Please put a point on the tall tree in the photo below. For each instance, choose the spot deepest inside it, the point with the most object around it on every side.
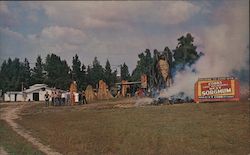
(11, 75)
(98, 71)
(57, 72)
(76, 71)
(185, 52)
(144, 65)
(125, 72)
(5, 75)
(3, 72)
(15, 74)
(89, 75)
(108, 74)
(37, 74)
(95, 73)
(25, 74)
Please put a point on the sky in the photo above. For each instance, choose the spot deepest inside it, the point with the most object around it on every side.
(119, 31)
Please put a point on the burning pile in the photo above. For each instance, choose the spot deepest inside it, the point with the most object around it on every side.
(174, 99)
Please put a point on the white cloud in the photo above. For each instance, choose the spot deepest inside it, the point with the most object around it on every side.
(14, 44)
(11, 34)
(7, 17)
(103, 29)
(3, 7)
(115, 14)
(58, 34)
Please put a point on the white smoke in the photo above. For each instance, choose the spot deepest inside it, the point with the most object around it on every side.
(143, 101)
(225, 48)
(184, 82)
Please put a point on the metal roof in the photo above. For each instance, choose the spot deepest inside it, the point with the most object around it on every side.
(36, 87)
(14, 92)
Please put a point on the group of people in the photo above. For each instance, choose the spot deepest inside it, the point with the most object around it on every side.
(57, 98)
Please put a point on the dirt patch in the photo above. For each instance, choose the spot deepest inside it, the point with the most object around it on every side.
(10, 114)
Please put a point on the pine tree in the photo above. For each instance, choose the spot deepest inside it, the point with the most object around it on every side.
(11, 75)
(26, 74)
(98, 71)
(37, 75)
(89, 77)
(185, 52)
(15, 80)
(125, 72)
(144, 65)
(5, 76)
(76, 71)
(57, 72)
(108, 74)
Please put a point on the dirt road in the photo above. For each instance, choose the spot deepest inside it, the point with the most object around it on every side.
(10, 114)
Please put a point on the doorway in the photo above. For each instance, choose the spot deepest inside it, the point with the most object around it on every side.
(35, 96)
(15, 97)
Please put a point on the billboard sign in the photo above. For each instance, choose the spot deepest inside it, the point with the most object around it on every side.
(216, 89)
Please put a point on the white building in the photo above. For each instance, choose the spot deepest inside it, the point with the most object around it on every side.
(34, 93)
(13, 96)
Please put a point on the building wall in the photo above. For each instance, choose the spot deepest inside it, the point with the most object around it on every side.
(19, 97)
(6, 97)
(29, 97)
(41, 95)
(11, 97)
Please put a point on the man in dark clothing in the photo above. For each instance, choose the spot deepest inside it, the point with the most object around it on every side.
(80, 99)
(84, 101)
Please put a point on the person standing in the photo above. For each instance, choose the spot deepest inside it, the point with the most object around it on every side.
(84, 101)
(80, 99)
(53, 98)
(63, 98)
(59, 95)
(68, 98)
(72, 98)
(46, 96)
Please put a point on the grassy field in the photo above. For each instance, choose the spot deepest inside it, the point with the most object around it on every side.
(13, 143)
(215, 128)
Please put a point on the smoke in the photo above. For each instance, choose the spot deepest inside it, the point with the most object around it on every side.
(225, 47)
(183, 82)
(226, 44)
(143, 101)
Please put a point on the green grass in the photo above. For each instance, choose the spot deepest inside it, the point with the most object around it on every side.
(15, 144)
(216, 128)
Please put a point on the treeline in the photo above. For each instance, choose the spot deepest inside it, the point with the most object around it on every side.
(55, 72)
